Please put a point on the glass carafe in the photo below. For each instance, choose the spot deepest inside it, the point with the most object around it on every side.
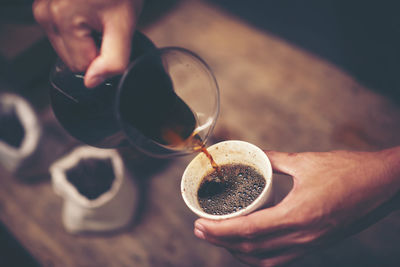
(166, 98)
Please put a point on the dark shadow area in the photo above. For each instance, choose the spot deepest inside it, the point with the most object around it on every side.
(12, 253)
(142, 169)
(360, 37)
(16, 11)
(28, 74)
(153, 10)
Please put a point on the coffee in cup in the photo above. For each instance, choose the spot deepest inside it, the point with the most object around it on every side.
(232, 188)
(241, 184)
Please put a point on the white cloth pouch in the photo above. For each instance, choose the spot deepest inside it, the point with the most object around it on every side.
(99, 194)
(20, 132)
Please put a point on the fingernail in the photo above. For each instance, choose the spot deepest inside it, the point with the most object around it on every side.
(199, 233)
(96, 80)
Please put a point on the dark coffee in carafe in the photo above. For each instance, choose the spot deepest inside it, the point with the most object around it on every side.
(141, 103)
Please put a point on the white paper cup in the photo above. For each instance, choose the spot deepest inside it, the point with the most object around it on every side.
(227, 152)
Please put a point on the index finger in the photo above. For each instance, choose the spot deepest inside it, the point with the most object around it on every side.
(115, 49)
(80, 49)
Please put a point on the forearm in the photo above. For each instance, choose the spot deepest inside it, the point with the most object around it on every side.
(390, 171)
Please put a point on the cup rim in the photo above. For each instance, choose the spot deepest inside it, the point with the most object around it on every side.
(260, 201)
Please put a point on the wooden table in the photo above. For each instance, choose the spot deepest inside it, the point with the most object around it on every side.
(274, 95)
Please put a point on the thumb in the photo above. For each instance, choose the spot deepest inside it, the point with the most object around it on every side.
(283, 162)
(114, 54)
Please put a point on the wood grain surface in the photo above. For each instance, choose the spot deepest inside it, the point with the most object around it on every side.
(274, 95)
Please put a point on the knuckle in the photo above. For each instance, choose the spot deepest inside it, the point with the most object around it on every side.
(246, 247)
(60, 11)
(306, 240)
(79, 31)
(58, 7)
(249, 230)
(78, 22)
(40, 12)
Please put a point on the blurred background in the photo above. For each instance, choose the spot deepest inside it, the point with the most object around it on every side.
(360, 37)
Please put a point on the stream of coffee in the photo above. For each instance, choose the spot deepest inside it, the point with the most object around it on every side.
(194, 141)
(168, 119)
(203, 149)
(199, 145)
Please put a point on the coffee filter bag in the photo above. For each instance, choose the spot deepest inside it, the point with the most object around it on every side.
(112, 210)
(14, 159)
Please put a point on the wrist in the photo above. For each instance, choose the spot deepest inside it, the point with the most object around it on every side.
(391, 160)
(391, 163)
